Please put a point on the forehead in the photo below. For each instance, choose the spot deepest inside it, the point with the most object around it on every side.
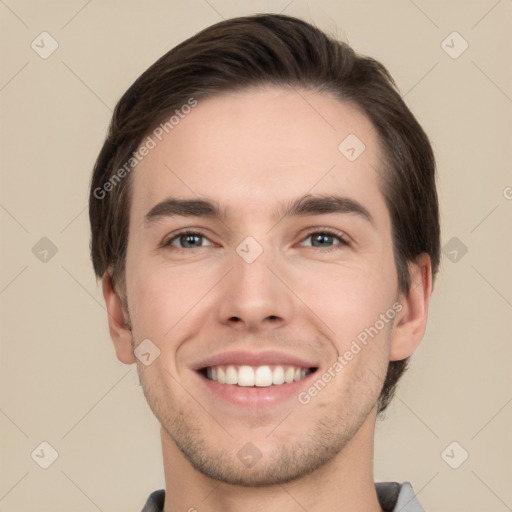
(248, 149)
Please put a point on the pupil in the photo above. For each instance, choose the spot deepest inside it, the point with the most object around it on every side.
(191, 240)
(321, 239)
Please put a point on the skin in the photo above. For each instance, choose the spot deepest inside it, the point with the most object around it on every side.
(252, 152)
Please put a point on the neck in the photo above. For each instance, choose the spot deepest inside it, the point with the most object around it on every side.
(345, 483)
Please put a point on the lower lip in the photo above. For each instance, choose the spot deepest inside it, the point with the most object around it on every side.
(256, 396)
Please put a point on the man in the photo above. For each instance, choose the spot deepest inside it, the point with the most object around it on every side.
(265, 223)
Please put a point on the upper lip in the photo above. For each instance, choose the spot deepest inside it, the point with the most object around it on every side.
(268, 357)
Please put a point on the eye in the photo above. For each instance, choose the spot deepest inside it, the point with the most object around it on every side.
(187, 240)
(325, 239)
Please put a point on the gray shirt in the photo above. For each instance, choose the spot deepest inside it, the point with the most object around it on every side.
(393, 497)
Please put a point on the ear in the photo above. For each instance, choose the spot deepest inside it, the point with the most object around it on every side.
(118, 324)
(411, 322)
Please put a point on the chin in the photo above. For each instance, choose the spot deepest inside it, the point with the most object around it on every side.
(250, 467)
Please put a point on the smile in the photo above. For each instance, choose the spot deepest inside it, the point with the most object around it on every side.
(256, 376)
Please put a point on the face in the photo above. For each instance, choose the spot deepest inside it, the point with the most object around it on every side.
(260, 253)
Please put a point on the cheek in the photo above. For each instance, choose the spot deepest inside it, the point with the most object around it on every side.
(349, 300)
(356, 305)
(161, 297)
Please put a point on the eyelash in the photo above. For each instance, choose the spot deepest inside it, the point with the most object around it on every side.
(341, 237)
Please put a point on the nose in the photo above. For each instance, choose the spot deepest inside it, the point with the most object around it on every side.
(255, 296)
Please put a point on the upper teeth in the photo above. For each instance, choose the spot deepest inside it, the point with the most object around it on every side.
(261, 376)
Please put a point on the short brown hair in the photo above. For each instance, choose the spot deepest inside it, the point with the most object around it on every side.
(270, 49)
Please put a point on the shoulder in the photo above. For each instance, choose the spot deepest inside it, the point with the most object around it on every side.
(394, 496)
(155, 502)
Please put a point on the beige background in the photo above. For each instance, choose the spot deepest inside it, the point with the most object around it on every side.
(60, 380)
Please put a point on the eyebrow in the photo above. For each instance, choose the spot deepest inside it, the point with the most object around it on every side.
(304, 206)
